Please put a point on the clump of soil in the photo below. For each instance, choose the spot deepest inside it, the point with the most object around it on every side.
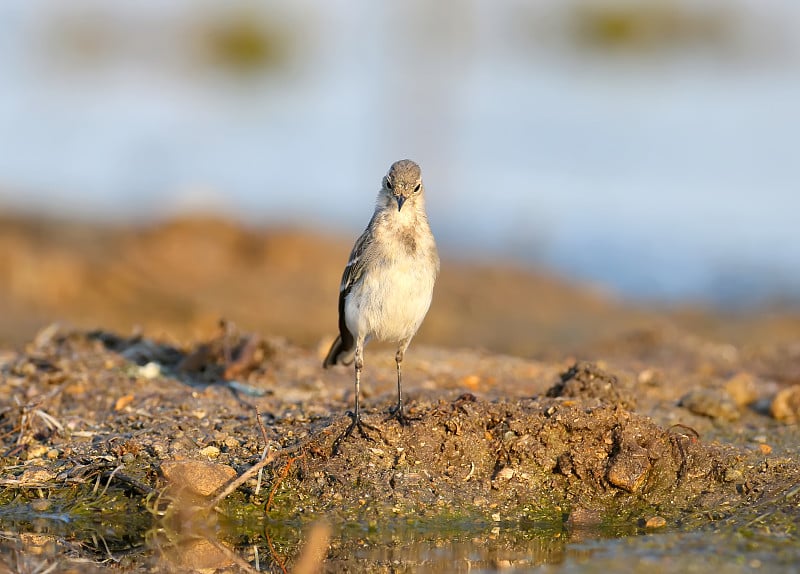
(586, 381)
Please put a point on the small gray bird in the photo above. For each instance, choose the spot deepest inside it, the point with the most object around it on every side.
(387, 285)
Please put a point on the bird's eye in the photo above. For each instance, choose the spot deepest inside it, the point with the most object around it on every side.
(388, 183)
(416, 188)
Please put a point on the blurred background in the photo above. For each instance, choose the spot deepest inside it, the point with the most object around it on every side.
(648, 149)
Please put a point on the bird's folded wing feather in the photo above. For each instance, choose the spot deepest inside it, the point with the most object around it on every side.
(355, 265)
(352, 273)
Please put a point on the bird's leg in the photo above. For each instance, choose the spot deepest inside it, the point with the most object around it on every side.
(355, 415)
(398, 411)
(359, 366)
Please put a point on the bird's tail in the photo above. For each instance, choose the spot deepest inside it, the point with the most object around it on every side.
(339, 354)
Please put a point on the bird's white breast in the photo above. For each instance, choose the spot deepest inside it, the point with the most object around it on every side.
(391, 300)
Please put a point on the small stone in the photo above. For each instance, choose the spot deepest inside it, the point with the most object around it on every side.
(764, 448)
(36, 475)
(581, 517)
(743, 388)
(40, 505)
(496, 517)
(732, 475)
(471, 381)
(210, 451)
(505, 473)
(655, 522)
(196, 476)
(37, 451)
(649, 377)
(128, 457)
(150, 371)
(52, 453)
(786, 405)
(629, 468)
(123, 402)
(714, 403)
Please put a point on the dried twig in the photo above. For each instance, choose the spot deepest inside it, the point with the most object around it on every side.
(133, 484)
(261, 426)
(237, 482)
(110, 478)
(266, 447)
(280, 479)
(277, 558)
(232, 556)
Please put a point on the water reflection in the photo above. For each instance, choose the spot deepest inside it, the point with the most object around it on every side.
(189, 542)
(305, 548)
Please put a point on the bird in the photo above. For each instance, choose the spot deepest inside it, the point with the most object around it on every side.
(387, 284)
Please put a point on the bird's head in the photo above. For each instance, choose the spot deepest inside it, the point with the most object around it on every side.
(402, 184)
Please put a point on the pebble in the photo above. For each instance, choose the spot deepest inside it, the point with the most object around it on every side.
(40, 505)
(210, 451)
(713, 403)
(583, 517)
(785, 406)
(732, 475)
(36, 475)
(37, 451)
(743, 388)
(628, 469)
(649, 377)
(655, 522)
(505, 473)
(150, 371)
(199, 477)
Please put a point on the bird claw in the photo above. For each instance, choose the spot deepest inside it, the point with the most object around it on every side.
(362, 427)
(398, 413)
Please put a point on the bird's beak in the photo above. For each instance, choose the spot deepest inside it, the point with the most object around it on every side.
(400, 201)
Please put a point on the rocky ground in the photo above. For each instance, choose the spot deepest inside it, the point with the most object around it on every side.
(544, 414)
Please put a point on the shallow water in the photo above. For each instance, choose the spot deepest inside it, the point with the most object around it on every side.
(38, 541)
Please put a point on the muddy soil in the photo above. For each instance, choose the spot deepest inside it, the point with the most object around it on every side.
(97, 426)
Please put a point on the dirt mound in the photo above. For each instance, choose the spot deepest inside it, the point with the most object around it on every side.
(586, 381)
(519, 457)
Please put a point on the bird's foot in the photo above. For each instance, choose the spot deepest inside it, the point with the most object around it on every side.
(355, 424)
(398, 413)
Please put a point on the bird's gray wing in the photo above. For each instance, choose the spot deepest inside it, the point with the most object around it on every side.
(352, 274)
(355, 265)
